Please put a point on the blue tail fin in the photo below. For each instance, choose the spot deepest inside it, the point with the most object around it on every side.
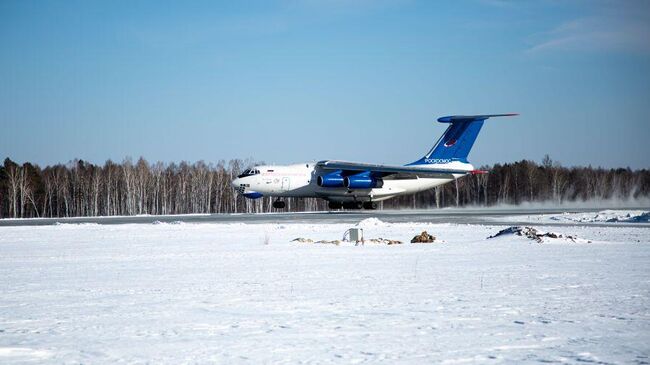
(458, 139)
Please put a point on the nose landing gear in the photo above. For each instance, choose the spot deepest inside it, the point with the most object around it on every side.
(279, 204)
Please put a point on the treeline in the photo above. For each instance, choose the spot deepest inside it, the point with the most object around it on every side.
(80, 188)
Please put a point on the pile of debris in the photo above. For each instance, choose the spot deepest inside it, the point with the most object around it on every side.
(423, 237)
(532, 233)
(335, 242)
(302, 240)
(308, 240)
(384, 241)
(379, 240)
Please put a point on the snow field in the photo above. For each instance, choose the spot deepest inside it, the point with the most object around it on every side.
(604, 216)
(187, 293)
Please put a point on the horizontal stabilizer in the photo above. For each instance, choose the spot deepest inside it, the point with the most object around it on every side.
(469, 118)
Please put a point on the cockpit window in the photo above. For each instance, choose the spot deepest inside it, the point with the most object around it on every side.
(249, 172)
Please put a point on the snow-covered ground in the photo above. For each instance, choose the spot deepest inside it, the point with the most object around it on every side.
(603, 216)
(242, 293)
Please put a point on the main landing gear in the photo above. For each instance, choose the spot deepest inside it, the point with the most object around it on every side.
(279, 204)
(353, 205)
(335, 205)
(346, 205)
(370, 205)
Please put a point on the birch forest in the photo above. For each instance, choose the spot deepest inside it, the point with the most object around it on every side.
(80, 188)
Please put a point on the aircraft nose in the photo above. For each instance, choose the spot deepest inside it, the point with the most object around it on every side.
(235, 183)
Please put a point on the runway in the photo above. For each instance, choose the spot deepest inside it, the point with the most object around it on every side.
(483, 216)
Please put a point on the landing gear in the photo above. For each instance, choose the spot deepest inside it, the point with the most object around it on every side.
(352, 205)
(370, 205)
(278, 204)
(335, 205)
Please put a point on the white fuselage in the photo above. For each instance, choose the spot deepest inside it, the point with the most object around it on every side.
(300, 180)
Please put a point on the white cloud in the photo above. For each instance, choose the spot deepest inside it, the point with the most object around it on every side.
(620, 26)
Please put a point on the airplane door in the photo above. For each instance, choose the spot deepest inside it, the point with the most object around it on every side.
(286, 182)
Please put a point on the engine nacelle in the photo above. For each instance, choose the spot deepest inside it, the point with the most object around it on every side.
(363, 180)
(331, 180)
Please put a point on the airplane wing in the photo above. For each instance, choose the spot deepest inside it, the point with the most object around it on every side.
(351, 168)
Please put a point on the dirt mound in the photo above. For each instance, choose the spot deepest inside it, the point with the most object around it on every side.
(423, 237)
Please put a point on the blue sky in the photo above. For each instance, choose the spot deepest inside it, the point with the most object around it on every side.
(290, 81)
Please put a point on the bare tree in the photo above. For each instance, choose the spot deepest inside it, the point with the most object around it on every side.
(12, 171)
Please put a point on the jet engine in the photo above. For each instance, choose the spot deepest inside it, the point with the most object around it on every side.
(331, 180)
(363, 180)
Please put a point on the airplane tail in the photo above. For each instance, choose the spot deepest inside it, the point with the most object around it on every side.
(458, 139)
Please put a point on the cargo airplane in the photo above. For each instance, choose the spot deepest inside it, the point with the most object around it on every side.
(352, 185)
